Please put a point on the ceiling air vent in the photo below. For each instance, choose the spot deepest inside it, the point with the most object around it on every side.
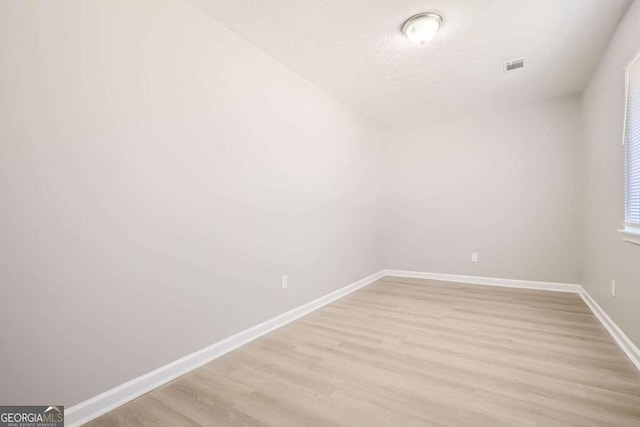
(516, 64)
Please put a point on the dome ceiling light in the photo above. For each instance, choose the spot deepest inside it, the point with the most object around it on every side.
(422, 27)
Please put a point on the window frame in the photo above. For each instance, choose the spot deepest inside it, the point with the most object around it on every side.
(630, 232)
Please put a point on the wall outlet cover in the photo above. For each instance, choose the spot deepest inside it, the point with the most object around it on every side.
(613, 288)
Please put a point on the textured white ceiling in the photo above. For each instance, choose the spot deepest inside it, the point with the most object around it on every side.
(354, 49)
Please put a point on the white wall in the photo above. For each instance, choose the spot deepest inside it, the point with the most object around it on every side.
(607, 257)
(504, 183)
(157, 176)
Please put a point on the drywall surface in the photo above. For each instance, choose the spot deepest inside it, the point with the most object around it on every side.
(503, 183)
(158, 175)
(607, 257)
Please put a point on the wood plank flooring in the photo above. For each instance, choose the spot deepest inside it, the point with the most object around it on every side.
(409, 352)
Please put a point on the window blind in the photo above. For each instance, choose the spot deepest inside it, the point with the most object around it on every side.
(632, 145)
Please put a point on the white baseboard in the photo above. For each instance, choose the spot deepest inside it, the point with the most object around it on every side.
(629, 348)
(111, 399)
(489, 281)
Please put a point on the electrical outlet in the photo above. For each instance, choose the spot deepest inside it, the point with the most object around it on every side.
(613, 288)
(285, 282)
(474, 257)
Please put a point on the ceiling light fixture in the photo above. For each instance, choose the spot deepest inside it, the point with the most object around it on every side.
(422, 27)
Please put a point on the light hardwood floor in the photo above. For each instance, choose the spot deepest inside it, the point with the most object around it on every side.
(409, 352)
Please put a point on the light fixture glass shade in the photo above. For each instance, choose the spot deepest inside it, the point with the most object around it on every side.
(422, 27)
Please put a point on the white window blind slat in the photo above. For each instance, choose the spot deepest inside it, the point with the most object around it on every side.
(632, 145)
